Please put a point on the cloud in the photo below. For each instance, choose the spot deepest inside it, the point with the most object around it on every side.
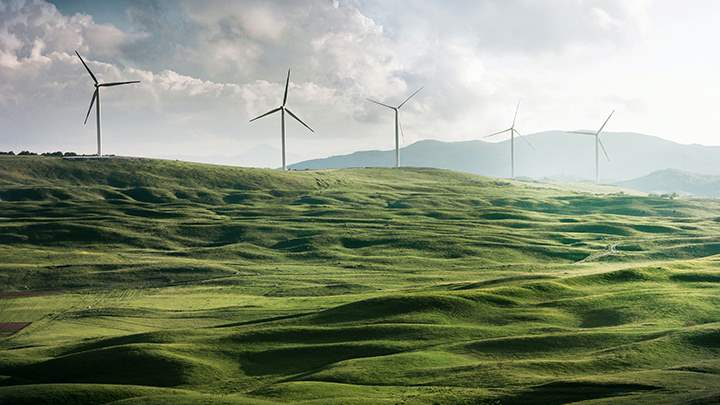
(31, 28)
(207, 67)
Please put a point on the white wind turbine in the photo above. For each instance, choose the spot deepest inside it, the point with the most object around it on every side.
(512, 132)
(398, 127)
(96, 95)
(598, 145)
(283, 110)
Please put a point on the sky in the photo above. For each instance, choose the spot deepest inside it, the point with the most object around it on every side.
(207, 67)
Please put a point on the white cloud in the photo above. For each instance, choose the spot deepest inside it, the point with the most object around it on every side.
(207, 67)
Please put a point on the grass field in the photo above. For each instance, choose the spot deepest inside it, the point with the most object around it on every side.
(139, 281)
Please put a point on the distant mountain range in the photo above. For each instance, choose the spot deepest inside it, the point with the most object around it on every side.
(676, 181)
(556, 155)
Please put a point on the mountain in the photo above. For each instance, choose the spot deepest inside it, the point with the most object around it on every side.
(676, 181)
(556, 154)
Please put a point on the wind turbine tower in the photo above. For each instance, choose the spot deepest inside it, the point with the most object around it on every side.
(398, 128)
(283, 110)
(598, 145)
(512, 132)
(96, 96)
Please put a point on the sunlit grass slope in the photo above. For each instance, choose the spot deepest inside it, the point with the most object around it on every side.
(166, 282)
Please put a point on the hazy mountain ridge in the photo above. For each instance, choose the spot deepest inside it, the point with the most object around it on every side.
(676, 181)
(556, 154)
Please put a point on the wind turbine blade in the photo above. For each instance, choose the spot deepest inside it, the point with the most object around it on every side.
(605, 123)
(86, 67)
(402, 133)
(516, 112)
(117, 83)
(498, 133)
(287, 84)
(580, 132)
(267, 113)
(524, 138)
(603, 149)
(409, 97)
(92, 101)
(299, 120)
(379, 103)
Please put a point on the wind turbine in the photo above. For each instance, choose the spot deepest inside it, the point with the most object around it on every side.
(283, 110)
(598, 144)
(96, 95)
(513, 132)
(398, 127)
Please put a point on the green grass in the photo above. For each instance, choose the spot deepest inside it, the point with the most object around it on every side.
(170, 283)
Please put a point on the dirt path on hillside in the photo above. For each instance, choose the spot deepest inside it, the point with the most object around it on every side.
(611, 250)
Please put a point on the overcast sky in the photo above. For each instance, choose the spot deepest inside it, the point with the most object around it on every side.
(208, 66)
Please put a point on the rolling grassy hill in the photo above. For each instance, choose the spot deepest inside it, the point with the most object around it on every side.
(140, 281)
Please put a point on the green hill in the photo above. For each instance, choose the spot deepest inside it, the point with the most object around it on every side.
(141, 281)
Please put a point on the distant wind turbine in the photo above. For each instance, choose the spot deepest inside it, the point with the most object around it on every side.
(598, 144)
(398, 126)
(96, 95)
(512, 132)
(283, 110)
